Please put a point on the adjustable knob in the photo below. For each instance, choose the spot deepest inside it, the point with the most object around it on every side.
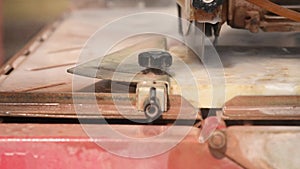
(207, 5)
(155, 59)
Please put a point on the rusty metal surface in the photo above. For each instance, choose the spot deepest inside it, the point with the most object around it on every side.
(62, 105)
(192, 14)
(277, 9)
(264, 147)
(262, 108)
(251, 15)
(32, 146)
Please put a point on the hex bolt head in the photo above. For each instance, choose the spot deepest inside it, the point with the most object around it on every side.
(155, 59)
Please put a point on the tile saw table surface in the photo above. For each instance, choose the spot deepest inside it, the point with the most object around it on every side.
(254, 64)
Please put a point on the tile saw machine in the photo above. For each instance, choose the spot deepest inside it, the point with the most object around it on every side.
(247, 131)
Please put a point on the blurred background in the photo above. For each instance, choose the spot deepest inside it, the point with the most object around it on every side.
(20, 20)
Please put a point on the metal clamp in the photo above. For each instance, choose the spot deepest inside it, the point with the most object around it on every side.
(153, 88)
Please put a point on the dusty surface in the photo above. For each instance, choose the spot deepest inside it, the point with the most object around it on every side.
(258, 64)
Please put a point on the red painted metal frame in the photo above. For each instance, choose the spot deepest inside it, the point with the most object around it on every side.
(55, 146)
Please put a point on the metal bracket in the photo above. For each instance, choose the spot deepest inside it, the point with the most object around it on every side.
(152, 93)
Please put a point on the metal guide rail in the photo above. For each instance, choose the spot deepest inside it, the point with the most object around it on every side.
(262, 108)
(63, 105)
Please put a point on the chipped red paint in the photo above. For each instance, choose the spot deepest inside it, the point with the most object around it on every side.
(55, 146)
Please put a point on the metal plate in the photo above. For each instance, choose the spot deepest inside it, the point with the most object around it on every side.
(262, 108)
(105, 67)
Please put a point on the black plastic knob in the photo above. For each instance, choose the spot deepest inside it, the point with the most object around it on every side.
(155, 59)
(207, 5)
